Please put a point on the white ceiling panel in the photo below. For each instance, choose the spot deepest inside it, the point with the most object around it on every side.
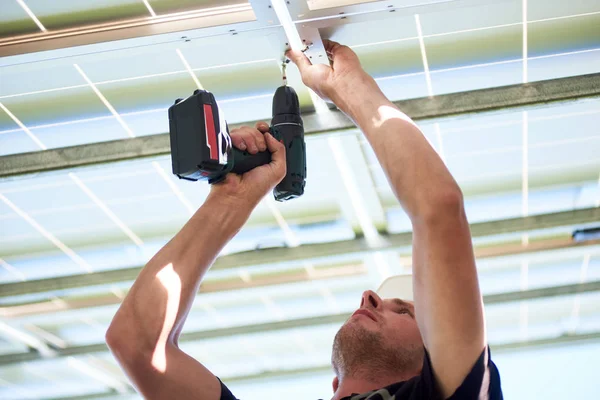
(543, 9)
(471, 17)
(561, 66)
(452, 80)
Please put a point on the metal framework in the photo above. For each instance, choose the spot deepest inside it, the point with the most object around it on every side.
(301, 323)
(448, 105)
(313, 252)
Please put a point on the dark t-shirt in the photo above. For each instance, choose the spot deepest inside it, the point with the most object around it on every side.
(482, 383)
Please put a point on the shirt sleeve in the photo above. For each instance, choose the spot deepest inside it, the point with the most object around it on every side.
(482, 382)
(225, 392)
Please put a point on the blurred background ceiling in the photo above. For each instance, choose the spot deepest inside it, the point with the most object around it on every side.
(73, 240)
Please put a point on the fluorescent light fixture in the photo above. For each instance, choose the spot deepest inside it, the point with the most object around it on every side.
(382, 265)
(525, 166)
(290, 237)
(169, 181)
(47, 336)
(98, 374)
(356, 46)
(440, 141)
(65, 249)
(31, 15)
(189, 69)
(26, 338)
(22, 126)
(149, 7)
(103, 99)
(525, 73)
(13, 270)
(283, 14)
(365, 221)
(424, 55)
(106, 210)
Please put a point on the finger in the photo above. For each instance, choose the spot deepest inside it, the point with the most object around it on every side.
(277, 150)
(259, 139)
(237, 140)
(262, 126)
(300, 59)
(247, 135)
(331, 46)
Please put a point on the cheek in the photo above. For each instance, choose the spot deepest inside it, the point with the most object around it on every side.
(405, 329)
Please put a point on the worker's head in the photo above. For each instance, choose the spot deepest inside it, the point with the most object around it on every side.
(380, 338)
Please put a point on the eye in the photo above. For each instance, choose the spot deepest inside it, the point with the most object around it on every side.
(403, 311)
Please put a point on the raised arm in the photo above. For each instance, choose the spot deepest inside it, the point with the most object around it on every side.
(447, 298)
(143, 334)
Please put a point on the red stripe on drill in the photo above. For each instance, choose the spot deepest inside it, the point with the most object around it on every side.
(211, 134)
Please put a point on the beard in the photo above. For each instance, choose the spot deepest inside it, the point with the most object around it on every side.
(362, 353)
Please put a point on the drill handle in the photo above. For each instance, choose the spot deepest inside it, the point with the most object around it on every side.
(244, 161)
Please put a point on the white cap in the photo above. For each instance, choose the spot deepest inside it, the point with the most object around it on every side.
(397, 286)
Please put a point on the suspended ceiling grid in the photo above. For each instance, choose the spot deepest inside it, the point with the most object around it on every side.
(468, 45)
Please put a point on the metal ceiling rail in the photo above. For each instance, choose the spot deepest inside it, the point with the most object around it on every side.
(326, 368)
(316, 252)
(127, 29)
(447, 105)
(499, 348)
(303, 322)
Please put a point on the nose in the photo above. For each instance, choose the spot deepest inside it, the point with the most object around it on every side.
(370, 299)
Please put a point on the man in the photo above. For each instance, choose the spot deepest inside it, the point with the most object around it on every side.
(389, 349)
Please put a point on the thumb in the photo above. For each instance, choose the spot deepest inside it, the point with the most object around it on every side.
(277, 150)
(300, 59)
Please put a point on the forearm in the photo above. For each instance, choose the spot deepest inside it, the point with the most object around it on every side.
(159, 300)
(416, 173)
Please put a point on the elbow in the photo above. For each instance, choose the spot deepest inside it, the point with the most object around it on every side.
(444, 205)
(117, 337)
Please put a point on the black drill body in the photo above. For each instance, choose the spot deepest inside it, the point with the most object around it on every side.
(201, 148)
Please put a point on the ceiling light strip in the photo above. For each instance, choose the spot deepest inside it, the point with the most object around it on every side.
(568, 53)
(65, 249)
(366, 223)
(98, 374)
(577, 301)
(525, 166)
(31, 15)
(42, 91)
(47, 336)
(525, 67)
(440, 141)
(424, 56)
(24, 128)
(26, 338)
(357, 46)
(565, 17)
(11, 269)
(290, 237)
(149, 7)
(106, 210)
(132, 23)
(189, 69)
(186, 203)
(103, 99)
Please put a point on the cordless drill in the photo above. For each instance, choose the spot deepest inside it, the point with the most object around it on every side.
(201, 147)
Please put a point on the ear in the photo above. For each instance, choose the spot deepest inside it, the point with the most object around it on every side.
(335, 384)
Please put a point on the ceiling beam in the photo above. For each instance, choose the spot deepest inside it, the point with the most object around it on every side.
(563, 290)
(453, 104)
(316, 252)
(139, 29)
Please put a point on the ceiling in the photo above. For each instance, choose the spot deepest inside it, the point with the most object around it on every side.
(72, 241)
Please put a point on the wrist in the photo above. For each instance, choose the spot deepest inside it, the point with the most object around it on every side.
(352, 92)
